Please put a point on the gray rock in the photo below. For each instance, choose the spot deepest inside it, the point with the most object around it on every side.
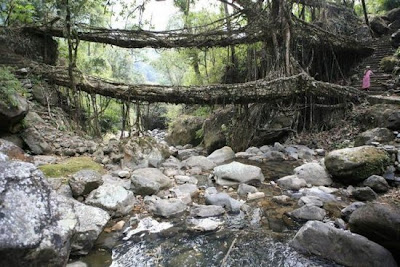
(84, 182)
(354, 165)
(340, 246)
(243, 155)
(236, 173)
(187, 153)
(116, 200)
(91, 222)
(3, 157)
(394, 121)
(318, 192)
(36, 224)
(221, 155)
(282, 199)
(77, 264)
(364, 194)
(378, 25)
(200, 161)
(346, 212)
(35, 141)
(125, 183)
(204, 225)
(339, 223)
(190, 189)
(123, 174)
(149, 181)
(43, 160)
(377, 183)
(381, 135)
(308, 213)
(206, 211)
(183, 179)
(380, 223)
(253, 151)
(291, 182)
(313, 173)
(223, 200)
(274, 156)
(311, 201)
(13, 109)
(169, 207)
(244, 189)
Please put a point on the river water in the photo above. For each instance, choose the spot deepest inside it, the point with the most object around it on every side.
(241, 242)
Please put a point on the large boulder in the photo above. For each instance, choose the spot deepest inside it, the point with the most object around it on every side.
(91, 222)
(313, 173)
(84, 182)
(221, 155)
(215, 129)
(35, 141)
(379, 223)
(354, 165)
(200, 161)
(393, 14)
(142, 152)
(381, 135)
(13, 108)
(115, 199)
(185, 131)
(36, 224)
(236, 173)
(379, 25)
(340, 246)
(149, 181)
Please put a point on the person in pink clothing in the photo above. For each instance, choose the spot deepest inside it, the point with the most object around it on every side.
(367, 78)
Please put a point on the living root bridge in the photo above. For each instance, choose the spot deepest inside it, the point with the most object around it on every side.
(260, 91)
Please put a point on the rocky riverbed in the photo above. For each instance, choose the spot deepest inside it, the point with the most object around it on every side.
(178, 206)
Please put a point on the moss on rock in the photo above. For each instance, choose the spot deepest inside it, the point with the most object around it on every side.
(70, 166)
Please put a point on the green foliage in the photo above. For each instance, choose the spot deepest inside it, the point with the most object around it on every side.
(173, 112)
(200, 133)
(388, 64)
(70, 166)
(203, 111)
(9, 86)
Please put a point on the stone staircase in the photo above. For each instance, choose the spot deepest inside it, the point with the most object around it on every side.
(383, 48)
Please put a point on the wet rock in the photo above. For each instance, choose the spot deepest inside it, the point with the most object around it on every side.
(200, 161)
(291, 182)
(310, 201)
(204, 225)
(147, 224)
(149, 181)
(364, 194)
(206, 211)
(308, 213)
(116, 200)
(221, 155)
(377, 183)
(91, 222)
(340, 246)
(353, 165)
(236, 173)
(245, 189)
(379, 223)
(169, 207)
(346, 212)
(183, 179)
(381, 135)
(84, 182)
(313, 173)
(36, 224)
(223, 200)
